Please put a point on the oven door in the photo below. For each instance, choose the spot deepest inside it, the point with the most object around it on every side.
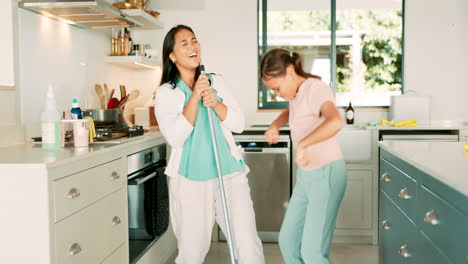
(146, 200)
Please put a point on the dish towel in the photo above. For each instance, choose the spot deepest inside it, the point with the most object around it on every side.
(92, 129)
(405, 123)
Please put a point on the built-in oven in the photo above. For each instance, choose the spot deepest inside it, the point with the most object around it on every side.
(148, 199)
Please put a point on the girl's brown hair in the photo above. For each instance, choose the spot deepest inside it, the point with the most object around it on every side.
(275, 62)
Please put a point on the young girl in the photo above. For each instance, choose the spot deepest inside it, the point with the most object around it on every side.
(308, 226)
(181, 107)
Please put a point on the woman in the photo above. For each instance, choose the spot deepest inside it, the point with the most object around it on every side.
(181, 108)
(308, 226)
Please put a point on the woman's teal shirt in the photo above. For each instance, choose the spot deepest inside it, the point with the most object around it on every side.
(198, 159)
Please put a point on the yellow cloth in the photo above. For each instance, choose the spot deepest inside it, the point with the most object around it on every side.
(466, 146)
(405, 123)
(92, 129)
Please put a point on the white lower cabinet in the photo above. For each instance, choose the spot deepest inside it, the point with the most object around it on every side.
(94, 233)
(120, 256)
(79, 190)
(356, 208)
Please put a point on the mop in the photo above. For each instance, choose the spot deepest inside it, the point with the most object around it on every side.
(220, 180)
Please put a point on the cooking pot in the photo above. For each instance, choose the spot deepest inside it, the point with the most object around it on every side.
(104, 116)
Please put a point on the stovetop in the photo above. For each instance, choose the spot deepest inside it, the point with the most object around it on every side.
(109, 133)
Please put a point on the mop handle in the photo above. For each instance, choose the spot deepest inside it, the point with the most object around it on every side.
(221, 182)
(221, 189)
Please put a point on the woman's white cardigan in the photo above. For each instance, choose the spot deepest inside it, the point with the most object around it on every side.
(169, 104)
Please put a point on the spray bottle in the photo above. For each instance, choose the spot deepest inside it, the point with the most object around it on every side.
(50, 122)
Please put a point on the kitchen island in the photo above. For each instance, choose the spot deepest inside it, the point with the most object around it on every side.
(423, 202)
(71, 205)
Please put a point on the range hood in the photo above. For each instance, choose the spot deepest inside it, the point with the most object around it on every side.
(81, 13)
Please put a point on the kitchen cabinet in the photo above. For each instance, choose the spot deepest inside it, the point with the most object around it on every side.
(90, 221)
(71, 205)
(6, 46)
(354, 220)
(422, 220)
(356, 210)
(65, 212)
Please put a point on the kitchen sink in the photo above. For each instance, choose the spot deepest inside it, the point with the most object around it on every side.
(355, 144)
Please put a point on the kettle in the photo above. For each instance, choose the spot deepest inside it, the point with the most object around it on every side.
(141, 4)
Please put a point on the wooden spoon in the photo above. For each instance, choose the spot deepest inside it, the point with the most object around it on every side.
(106, 93)
(98, 89)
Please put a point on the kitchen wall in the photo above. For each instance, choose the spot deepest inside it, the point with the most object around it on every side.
(436, 55)
(72, 60)
(436, 33)
(11, 131)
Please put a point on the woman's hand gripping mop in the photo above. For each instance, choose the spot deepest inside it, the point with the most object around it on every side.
(220, 180)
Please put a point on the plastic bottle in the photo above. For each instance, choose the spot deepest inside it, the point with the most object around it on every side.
(50, 122)
(76, 110)
(350, 114)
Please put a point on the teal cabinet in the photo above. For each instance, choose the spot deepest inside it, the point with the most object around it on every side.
(426, 223)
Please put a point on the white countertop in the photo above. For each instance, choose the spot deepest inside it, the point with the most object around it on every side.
(445, 161)
(34, 154)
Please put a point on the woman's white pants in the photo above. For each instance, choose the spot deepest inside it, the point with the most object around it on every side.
(196, 205)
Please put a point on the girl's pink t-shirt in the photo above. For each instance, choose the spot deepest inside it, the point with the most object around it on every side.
(304, 117)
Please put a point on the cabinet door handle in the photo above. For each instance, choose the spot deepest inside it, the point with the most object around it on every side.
(404, 252)
(73, 193)
(431, 218)
(116, 220)
(385, 177)
(404, 194)
(115, 175)
(74, 249)
(386, 224)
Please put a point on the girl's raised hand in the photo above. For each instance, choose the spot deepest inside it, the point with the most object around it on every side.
(272, 135)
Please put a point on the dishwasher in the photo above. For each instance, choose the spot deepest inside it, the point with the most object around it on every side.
(269, 181)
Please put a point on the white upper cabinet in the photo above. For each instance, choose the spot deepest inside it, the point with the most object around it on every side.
(6, 45)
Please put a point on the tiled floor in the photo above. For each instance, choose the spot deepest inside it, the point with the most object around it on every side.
(340, 254)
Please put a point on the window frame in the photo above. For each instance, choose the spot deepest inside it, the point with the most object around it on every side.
(263, 49)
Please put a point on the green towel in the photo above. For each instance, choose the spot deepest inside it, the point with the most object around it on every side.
(198, 159)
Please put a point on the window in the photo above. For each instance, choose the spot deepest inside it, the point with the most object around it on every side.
(360, 57)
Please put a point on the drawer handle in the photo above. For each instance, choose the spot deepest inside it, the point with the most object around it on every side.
(404, 252)
(404, 194)
(386, 224)
(73, 193)
(385, 177)
(116, 220)
(431, 218)
(115, 175)
(74, 249)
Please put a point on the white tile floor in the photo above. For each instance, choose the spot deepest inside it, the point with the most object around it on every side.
(340, 254)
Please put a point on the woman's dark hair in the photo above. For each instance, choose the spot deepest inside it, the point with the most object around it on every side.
(170, 72)
(275, 62)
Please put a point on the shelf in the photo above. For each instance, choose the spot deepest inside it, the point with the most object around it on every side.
(134, 62)
(148, 21)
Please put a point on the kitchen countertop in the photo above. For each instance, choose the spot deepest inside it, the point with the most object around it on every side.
(445, 161)
(433, 125)
(34, 154)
